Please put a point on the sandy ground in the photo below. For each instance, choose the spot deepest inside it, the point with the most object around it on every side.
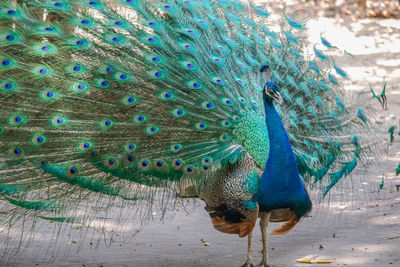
(365, 235)
(346, 238)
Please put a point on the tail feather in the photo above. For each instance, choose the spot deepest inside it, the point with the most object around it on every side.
(285, 228)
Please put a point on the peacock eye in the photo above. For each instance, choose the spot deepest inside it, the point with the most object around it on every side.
(72, 172)
(175, 148)
(16, 152)
(130, 147)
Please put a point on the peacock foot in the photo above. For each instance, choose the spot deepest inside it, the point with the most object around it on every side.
(264, 263)
(249, 263)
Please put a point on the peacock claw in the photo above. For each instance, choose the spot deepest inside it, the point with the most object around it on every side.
(248, 263)
(264, 263)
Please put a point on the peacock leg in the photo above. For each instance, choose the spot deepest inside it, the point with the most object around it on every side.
(264, 219)
(249, 262)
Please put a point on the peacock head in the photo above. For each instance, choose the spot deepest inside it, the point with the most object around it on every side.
(271, 89)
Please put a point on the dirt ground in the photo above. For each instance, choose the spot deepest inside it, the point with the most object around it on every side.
(364, 235)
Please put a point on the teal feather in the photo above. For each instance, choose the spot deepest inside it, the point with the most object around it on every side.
(34, 205)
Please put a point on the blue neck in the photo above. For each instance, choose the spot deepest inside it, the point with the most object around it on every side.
(281, 185)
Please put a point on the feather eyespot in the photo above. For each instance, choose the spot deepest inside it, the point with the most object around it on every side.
(190, 32)
(17, 120)
(106, 124)
(240, 81)
(79, 87)
(11, 12)
(85, 145)
(200, 126)
(177, 164)
(151, 40)
(48, 94)
(6, 62)
(42, 162)
(16, 152)
(227, 101)
(194, 85)
(102, 83)
(188, 47)
(9, 37)
(7, 86)
(75, 68)
(41, 70)
(218, 80)
(121, 77)
(167, 7)
(207, 105)
(190, 170)
(206, 161)
(166, 95)
(39, 140)
(129, 159)
(152, 129)
(361, 115)
(106, 69)
(178, 112)
(72, 172)
(224, 138)
(226, 123)
(242, 100)
(110, 162)
(79, 43)
(132, 2)
(235, 117)
(254, 103)
(160, 165)
(189, 65)
(144, 165)
(130, 147)
(58, 121)
(176, 148)
(129, 100)
(139, 119)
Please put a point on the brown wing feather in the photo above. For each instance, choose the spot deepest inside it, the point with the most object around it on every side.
(242, 229)
(287, 226)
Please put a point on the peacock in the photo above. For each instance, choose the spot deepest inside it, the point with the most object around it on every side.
(118, 104)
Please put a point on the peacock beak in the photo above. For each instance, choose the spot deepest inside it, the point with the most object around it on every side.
(274, 95)
(277, 96)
